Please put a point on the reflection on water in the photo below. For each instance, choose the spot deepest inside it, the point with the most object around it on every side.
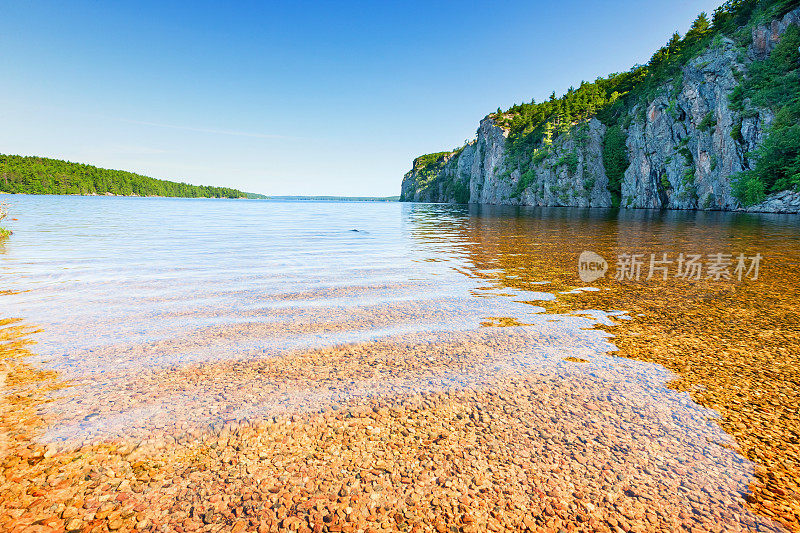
(733, 345)
(170, 314)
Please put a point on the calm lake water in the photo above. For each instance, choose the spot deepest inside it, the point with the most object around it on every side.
(127, 287)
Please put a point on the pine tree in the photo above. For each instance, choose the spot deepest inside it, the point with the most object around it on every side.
(674, 43)
(700, 28)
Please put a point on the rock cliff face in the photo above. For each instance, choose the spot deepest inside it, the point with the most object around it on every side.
(572, 174)
(683, 151)
(683, 146)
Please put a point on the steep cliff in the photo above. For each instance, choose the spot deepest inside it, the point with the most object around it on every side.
(571, 173)
(684, 142)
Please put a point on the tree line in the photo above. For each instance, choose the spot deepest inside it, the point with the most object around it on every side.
(40, 175)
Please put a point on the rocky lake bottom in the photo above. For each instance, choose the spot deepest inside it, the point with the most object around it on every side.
(174, 365)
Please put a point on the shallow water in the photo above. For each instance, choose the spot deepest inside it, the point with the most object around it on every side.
(228, 279)
(125, 285)
(162, 312)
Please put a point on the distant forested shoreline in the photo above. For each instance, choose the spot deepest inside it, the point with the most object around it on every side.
(41, 175)
(334, 198)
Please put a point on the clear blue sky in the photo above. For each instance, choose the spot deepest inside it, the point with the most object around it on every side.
(294, 97)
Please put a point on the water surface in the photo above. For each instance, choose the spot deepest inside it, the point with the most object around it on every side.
(169, 314)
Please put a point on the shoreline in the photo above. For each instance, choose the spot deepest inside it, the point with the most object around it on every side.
(768, 207)
(126, 196)
(783, 203)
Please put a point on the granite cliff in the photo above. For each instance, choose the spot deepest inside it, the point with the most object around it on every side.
(684, 142)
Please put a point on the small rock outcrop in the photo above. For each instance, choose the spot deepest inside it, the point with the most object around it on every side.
(782, 202)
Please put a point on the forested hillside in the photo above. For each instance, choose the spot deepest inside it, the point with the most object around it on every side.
(39, 175)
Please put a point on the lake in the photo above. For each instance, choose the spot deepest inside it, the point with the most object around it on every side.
(180, 317)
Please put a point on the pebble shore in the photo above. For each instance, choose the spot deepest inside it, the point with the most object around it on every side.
(543, 452)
